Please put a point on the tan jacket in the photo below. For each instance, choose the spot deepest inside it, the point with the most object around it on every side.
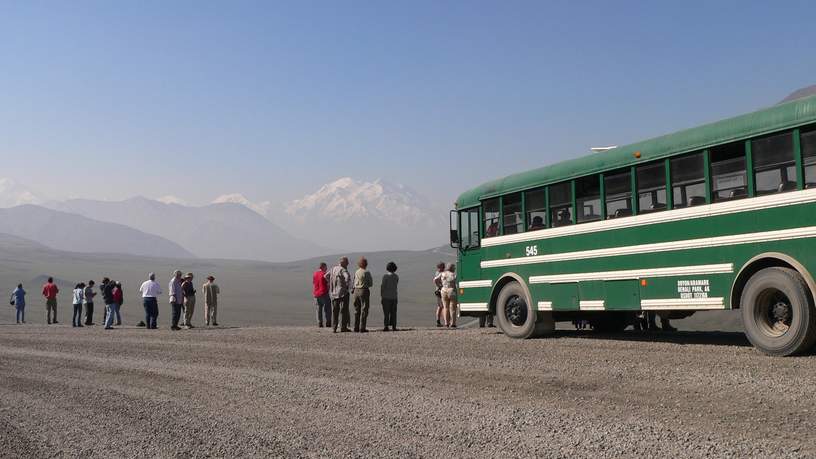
(211, 292)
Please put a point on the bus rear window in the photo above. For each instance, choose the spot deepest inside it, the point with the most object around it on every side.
(809, 157)
(688, 180)
(513, 221)
(618, 188)
(651, 183)
(536, 202)
(728, 180)
(491, 217)
(561, 204)
(588, 198)
(774, 164)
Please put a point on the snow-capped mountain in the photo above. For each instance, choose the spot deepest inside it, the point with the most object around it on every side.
(13, 194)
(360, 215)
(263, 208)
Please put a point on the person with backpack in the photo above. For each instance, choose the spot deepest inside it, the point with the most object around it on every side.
(18, 301)
(49, 292)
(79, 298)
(339, 282)
(107, 288)
(189, 292)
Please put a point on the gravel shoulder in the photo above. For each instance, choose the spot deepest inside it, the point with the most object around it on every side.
(306, 392)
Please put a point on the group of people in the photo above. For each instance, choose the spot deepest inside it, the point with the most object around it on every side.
(182, 296)
(334, 289)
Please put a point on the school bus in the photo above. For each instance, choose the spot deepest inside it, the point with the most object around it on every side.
(717, 217)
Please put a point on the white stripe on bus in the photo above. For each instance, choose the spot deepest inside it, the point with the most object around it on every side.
(473, 306)
(709, 210)
(634, 274)
(545, 306)
(591, 305)
(476, 283)
(682, 303)
(701, 243)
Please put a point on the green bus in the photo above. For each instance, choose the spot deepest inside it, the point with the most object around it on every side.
(717, 217)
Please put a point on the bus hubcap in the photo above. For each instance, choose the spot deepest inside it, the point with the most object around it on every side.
(516, 311)
(774, 312)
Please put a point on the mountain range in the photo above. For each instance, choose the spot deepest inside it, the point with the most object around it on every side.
(343, 215)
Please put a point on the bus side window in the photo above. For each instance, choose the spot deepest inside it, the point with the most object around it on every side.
(728, 179)
(536, 209)
(651, 183)
(491, 217)
(774, 164)
(588, 198)
(808, 140)
(688, 180)
(561, 204)
(618, 189)
(513, 219)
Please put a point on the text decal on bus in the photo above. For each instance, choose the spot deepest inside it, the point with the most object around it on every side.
(531, 250)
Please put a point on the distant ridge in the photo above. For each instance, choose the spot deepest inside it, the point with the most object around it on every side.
(800, 93)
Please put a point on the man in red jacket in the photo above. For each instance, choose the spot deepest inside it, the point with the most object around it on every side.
(49, 292)
(321, 295)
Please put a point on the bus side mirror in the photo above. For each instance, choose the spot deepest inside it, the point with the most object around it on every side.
(454, 238)
(454, 229)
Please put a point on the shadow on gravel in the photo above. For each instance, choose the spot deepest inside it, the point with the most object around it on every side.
(681, 337)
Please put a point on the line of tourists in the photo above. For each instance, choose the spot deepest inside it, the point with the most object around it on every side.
(182, 298)
(334, 289)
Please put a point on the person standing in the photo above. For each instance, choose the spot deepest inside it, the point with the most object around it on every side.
(151, 290)
(79, 298)
(176, 298)
(211, 292)
(449, 296)
(388, 295)
(339, 281)
(119, 295)
(102, 287)
(189, 292)
(18, 300)
(108, 287)
(49, 292)
(320, 291)
(440, 268)
(362, 295)
(88, 300)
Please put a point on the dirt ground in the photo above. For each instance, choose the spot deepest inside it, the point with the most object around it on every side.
(305, 392)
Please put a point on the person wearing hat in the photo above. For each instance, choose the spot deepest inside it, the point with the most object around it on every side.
(150, 293)
(176, 298)
(189, 292)
(211, 292)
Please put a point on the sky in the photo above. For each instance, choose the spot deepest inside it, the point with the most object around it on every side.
(272, 99)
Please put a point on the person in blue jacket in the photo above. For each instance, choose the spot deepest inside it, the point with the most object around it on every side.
(18, 300)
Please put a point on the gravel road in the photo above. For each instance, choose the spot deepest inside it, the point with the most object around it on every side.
(306, 392)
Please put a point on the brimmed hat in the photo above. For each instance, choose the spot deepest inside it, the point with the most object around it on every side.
(190, 275)
(210, 277)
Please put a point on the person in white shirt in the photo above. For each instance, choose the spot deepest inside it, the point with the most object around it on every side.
(150, 292)
(449, 297)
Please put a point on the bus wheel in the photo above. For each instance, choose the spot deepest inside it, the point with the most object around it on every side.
(777, 312)
(517, 318)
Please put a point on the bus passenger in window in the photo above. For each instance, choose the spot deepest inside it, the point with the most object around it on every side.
(493, 229)
(537, 224)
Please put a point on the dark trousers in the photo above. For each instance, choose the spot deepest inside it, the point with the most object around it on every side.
(361, 305)
(340, 312)
(486, 320)
(324, 308)
(151, 307)
(76, 320)
(389, 313)
(89, 313)
(176, 313)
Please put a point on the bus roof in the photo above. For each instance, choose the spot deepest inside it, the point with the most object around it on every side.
(788, 115)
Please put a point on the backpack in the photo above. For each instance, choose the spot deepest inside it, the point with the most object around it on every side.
(12, 300)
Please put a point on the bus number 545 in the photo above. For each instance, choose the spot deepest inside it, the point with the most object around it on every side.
(531, 250)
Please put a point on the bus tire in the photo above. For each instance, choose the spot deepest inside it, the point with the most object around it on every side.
(778, 313)
(517, 317)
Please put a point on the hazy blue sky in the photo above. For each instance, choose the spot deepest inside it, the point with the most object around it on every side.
(112, 99)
